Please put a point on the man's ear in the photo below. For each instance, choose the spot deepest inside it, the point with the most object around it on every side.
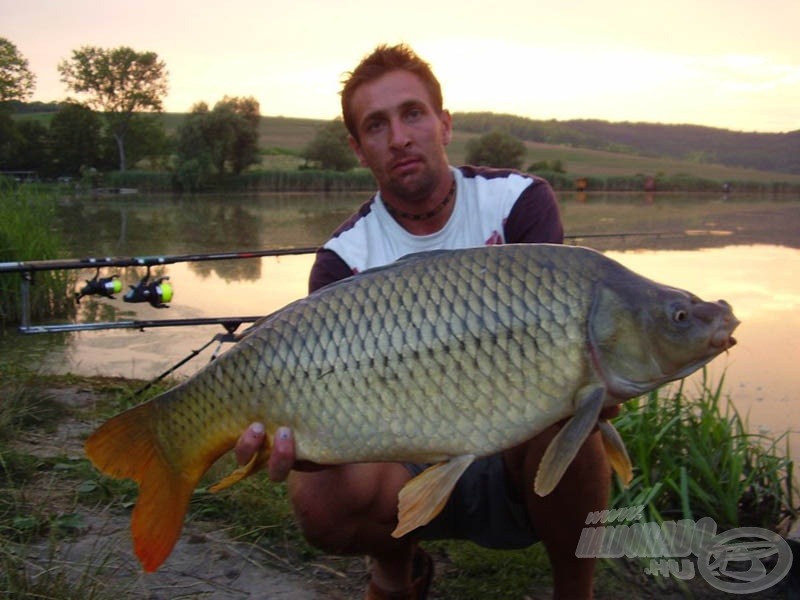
(447, 126)
(357, 149)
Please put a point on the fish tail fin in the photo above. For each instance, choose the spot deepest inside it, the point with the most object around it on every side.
(127, 446)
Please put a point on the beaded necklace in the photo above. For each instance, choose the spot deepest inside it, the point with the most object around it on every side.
(397, 213)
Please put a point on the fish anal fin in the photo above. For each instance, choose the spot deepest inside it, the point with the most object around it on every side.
(615, 451)
(565, 445)
(256, 463)
(422, 498)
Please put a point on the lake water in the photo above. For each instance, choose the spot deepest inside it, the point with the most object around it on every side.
(745, 250)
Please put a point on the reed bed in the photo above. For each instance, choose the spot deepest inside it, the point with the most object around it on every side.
(27, 232)
(313, 180)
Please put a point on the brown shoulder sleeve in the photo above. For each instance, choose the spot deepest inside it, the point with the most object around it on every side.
(535, 217)
(327, 268)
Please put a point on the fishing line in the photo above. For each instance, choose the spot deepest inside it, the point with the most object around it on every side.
(219, 337)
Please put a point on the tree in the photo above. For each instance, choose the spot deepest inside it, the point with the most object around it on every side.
(555, 165)
(75, 139)
(244, 115)
(30, 153)
(16, 80)
(10, 138)
(496, 149)
(329, 148)
(219, 140)
(118, 83)
(147, 139)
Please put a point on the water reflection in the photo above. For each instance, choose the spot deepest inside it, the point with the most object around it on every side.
(155, 225)
(759, 282)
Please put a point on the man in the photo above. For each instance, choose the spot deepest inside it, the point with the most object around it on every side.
(392, 107)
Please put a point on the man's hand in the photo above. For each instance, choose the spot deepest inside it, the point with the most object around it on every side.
(282, 454)
(281, 458)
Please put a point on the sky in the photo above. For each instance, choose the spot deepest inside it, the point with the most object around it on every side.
(733, 64)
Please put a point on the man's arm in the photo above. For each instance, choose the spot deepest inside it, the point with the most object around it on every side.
(535, 217)
(327, 268)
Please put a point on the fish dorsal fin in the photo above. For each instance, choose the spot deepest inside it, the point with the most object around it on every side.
(566, 443)
(616, 452)
(422, 498)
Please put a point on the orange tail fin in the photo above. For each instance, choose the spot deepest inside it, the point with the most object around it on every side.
(127, 446)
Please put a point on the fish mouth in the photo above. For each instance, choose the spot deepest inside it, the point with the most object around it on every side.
(722, 339)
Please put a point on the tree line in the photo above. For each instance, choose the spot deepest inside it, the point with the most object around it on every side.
(113, 124)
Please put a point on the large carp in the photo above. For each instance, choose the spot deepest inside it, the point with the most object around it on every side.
(437, 358)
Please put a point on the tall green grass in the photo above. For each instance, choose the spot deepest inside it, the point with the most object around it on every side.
(27, 232)
(694, 457)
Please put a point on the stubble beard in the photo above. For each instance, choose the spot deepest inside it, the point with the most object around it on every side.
(414, 189)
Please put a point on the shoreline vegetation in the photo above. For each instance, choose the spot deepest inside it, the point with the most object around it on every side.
(310, 180)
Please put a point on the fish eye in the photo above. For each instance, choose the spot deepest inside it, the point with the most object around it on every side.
(680, 315)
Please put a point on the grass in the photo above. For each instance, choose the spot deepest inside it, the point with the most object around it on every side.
(691, 453)
(693, 457)
(27, 232)
(27, 407)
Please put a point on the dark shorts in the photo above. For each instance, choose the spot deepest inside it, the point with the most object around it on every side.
(483, 508)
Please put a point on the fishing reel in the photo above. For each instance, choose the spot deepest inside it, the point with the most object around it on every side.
(157, 292)
(100, 286)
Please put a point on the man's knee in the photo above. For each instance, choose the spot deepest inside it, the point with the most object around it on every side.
(336, 507)
(322, 514)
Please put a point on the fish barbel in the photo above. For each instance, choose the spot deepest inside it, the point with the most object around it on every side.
(438, 358)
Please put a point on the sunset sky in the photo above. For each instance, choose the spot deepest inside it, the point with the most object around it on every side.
(707, 62)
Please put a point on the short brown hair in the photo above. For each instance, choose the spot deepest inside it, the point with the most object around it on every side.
(381, 61)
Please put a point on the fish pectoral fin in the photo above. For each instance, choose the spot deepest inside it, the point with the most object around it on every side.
(565, 445)
(616, 452)
(256, 463)
(422, 498)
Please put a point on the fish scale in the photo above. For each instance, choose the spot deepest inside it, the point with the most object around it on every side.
(440, 357)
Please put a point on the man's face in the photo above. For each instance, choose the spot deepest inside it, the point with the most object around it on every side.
(402, 137)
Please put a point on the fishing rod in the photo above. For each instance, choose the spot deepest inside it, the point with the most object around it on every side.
(230, 323)
(141, 261)
(144, 261)
(158, 291)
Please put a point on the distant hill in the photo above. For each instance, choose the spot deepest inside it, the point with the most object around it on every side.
(765, 151)
(690, 144)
